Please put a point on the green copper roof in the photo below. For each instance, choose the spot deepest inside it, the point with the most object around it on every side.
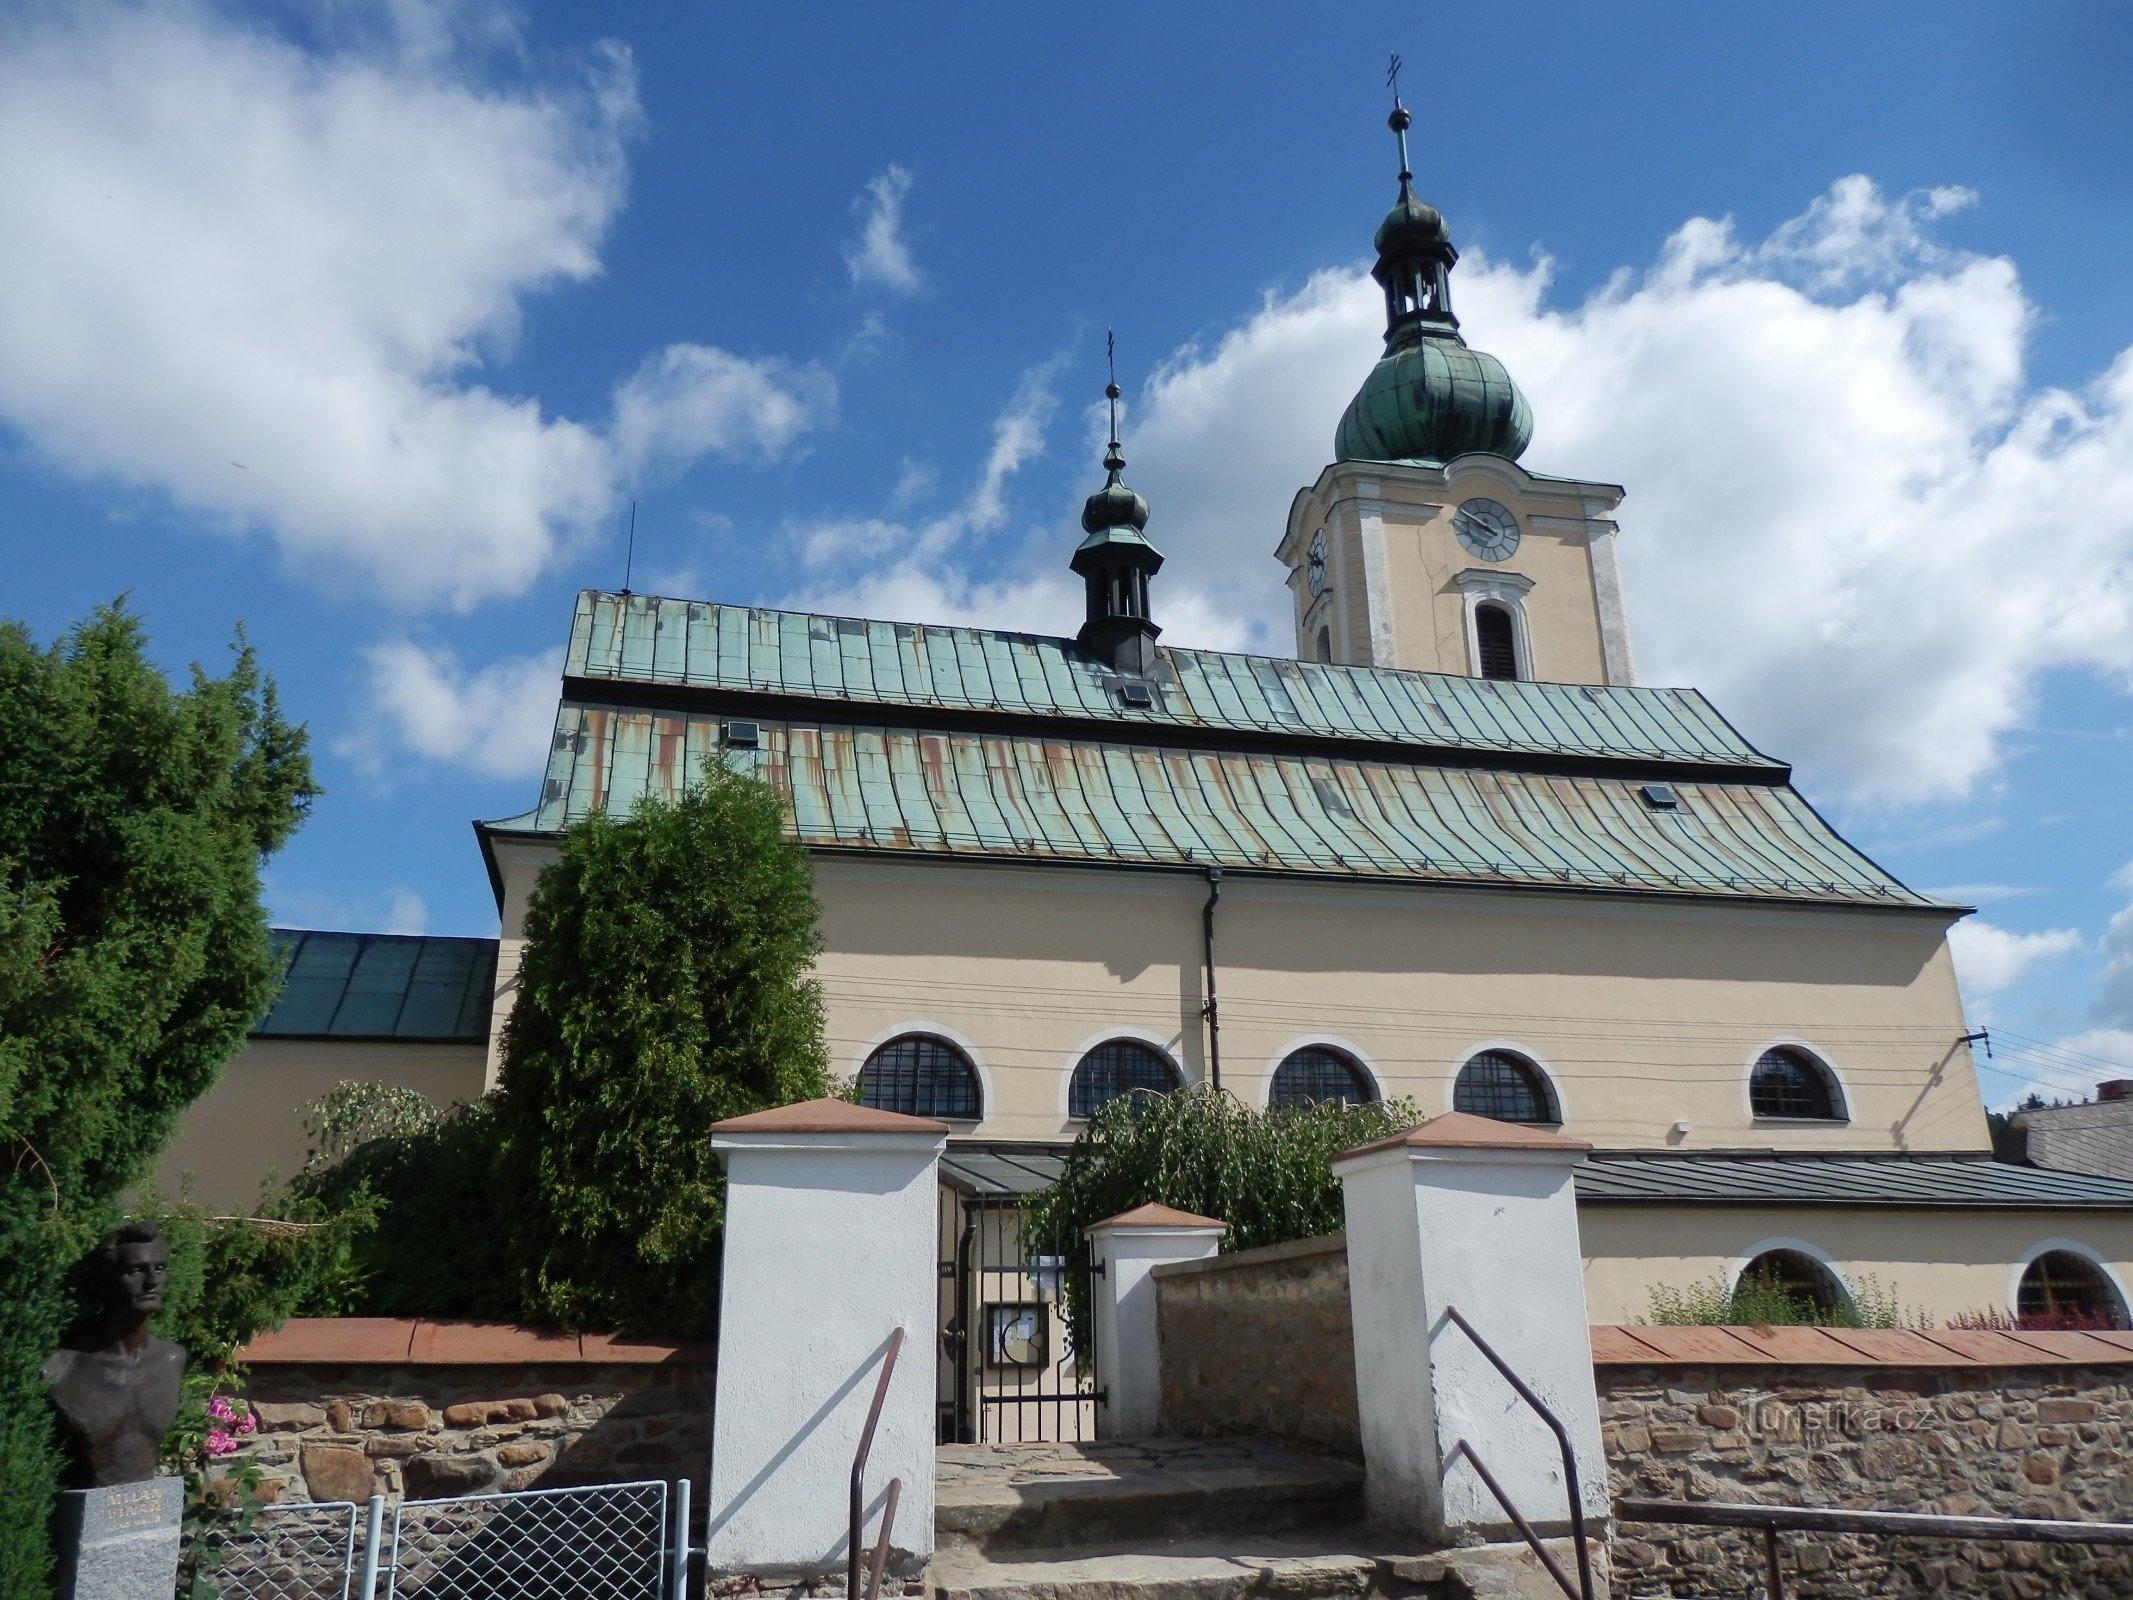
(1432, 399)
(902, 787)
(621, 646)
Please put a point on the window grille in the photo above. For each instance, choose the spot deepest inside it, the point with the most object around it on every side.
(1116, 1067)
(1798, 1275)
(1791, 1083)
(1494, 643)
(921, 1076)
(2060, 1287)
(1318, 1076)
(1508, 1087)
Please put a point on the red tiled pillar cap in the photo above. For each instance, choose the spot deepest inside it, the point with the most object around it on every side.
(1155, 1216)
(827, 1116)
(1461, 1130)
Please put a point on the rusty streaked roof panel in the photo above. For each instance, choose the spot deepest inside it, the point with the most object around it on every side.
(684, 644)
(976, 794)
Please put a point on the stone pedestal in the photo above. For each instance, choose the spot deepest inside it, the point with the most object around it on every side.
(120, 1543)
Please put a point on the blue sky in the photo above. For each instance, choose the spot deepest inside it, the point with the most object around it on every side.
(365, 323)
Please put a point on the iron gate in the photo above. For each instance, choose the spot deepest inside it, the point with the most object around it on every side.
(1017, 1356)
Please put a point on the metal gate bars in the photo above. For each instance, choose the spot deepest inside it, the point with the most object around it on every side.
(602, 1542)
(1017, 1357)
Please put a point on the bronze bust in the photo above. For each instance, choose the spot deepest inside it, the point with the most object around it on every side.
(116, 1389)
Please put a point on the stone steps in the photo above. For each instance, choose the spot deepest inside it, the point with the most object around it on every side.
(1242, 1569)
(1055, 1497)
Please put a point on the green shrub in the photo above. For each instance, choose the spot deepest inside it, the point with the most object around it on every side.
(1757, 1299)
(1265, 1173)
(437, 1248)
(665, 984)
(133, 957)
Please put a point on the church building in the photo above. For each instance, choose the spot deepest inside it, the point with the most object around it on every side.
(1450, 851)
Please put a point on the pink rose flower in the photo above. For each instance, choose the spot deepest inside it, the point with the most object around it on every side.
(219, 1409)
(249, 1423)
(219, 1442)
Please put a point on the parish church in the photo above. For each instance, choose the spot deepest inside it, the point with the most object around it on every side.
(1450, 851)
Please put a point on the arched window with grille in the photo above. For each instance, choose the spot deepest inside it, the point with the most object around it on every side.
(1319, 1075)
(921, 1075)
(1495, 641)
(1796, 1275)
(1505, 1085)
(1792, 1085)
(2063, 1290)
(1118, 1067)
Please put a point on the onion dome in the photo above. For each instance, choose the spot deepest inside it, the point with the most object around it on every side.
(1115, 561)
(1429, 398)
(1114, 506)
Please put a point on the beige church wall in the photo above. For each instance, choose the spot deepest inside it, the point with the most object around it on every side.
(1642, 1015)
(252, 1122)
(1937, 1263)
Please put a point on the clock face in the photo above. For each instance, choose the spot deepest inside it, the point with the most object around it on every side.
(1487, 530)
(1318, 563)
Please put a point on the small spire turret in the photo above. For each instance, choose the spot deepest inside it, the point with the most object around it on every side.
(1115, 560)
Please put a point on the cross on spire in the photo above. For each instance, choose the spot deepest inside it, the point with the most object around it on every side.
(1399, 121)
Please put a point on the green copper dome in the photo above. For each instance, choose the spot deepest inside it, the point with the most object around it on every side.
(1431, 400)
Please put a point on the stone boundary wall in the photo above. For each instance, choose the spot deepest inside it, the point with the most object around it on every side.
(1261, 1342)
(2028, 1425)
(348, 1407)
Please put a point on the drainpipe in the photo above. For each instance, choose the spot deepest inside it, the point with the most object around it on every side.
(1214, 1020)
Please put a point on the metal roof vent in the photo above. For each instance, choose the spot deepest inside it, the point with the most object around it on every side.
(1659, 797)
(743, 735)
(1136, 694)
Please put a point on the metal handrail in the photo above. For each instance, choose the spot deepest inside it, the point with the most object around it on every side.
(1829, 1519)
(1539, 1407)
(859, 1475)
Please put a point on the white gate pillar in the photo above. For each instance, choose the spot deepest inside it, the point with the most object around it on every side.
(1127, 1248)
(1480, 1215)
(829, 1249)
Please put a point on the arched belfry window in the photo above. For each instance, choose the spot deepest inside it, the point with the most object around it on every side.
(1496, 641)
(1504, 1085)
(1118, 1067)
(1798, 1276)
(2061, 1289)
(1791, 1084)
(1318, 1075)
(921, 1076)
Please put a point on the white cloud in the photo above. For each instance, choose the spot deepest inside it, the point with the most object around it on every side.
(1848, 518)
(2114, 1001)
(880, 256)
(397, 909)
(274, 285)
(495, 721)
(691, 400)
(1989, 959)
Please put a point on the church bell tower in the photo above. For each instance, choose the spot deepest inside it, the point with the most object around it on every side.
(1425, 544)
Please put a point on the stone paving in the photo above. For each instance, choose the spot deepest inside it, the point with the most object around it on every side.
(1154, 1461)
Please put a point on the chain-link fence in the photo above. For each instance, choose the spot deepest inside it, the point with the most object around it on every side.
(290, 1553)
(601, 1542)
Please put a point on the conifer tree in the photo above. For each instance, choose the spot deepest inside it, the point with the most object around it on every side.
(665, 984)
(133, 958)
